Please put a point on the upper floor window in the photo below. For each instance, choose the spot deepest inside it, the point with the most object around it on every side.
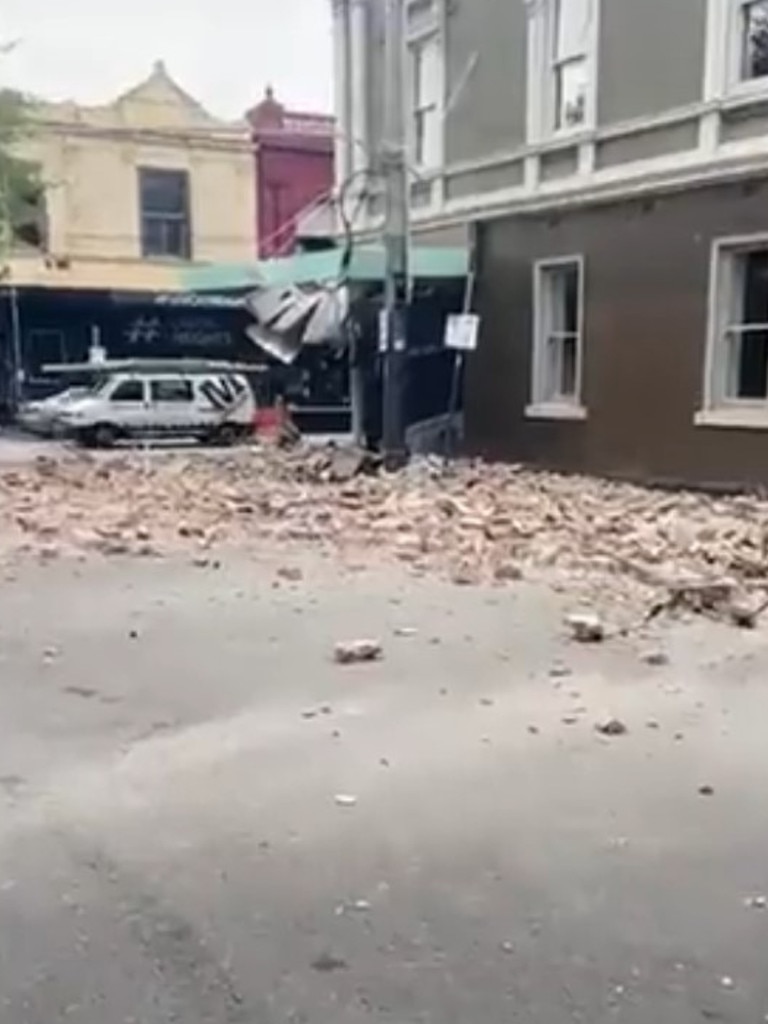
(426, 57)
(164, 209)
(752, 37)
(562, 65)
(569, 64)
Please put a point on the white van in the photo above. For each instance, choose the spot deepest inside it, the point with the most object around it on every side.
(217, 407)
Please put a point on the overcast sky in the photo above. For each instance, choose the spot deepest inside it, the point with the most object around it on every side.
(221, 51)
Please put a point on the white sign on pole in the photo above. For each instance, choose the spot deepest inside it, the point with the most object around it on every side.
(461, 331)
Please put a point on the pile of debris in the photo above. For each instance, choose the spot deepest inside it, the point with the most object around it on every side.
(471, 523)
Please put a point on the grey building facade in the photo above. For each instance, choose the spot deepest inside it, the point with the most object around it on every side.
(611, 158)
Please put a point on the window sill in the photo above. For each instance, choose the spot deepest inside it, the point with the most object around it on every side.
(734, 419)
(555, 411)
(564, 138)
(746, 93)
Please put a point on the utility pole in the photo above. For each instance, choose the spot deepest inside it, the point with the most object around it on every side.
(394, 166)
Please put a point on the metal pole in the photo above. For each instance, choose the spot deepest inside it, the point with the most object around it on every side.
(458, 363)
(356, 384)
(18, 362)
(395, 171)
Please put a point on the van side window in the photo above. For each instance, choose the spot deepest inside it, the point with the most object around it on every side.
(171, 390)
(128, 391)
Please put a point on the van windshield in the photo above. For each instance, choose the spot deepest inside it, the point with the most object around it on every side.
(98, 384)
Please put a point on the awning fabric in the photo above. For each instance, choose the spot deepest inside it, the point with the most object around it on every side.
(367, 264)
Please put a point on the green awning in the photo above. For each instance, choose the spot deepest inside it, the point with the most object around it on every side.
(367, 264)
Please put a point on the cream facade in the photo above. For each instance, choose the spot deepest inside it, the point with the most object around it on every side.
(138, 188)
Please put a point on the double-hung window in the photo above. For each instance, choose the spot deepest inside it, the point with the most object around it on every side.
(562, 59)
(736, 378)
(751, 32)
(426, 76)
(737, 48)
(570, 63)
(558, 337)
(164, 212)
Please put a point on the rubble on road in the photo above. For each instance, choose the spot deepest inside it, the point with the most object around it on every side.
(470, 522)
(345, 800)
(656, 659)
(612, 727)
(586, 627)
(351, 652)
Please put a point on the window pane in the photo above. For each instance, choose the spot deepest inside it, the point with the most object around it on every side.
(561, 368)
(571, 93)
(747, 375)
(426, 72)
(754, 277)
(564, 299)
(163, 191)
(128, 391)
(754, 39)
(171, 390)
(426, 137)
(568, 364)
(44, 346)
(571, 28)
(165, 236)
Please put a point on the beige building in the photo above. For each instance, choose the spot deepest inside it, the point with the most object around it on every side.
(136, 188)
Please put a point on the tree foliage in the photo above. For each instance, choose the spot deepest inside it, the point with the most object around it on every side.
(21, 185)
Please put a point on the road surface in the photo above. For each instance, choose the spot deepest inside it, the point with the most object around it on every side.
(206, 821)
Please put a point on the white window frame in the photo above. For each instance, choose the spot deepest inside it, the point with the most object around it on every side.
(544, 405)
(417, 40)
(542, 71)
(719, 410)
(735, 53)
(722, 78)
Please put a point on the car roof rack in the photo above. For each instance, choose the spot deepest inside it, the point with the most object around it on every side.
(181, 366)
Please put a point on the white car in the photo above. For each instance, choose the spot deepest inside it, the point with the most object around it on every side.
(41, 416)
(215, 407)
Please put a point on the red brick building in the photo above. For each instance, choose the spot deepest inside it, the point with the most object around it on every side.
(294, 169)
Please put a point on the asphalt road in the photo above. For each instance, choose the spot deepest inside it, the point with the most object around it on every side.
(204, 819)
(18, 447)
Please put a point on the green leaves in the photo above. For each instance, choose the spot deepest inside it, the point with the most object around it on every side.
(22, 191)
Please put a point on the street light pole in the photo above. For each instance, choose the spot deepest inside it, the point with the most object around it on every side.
(394, 166)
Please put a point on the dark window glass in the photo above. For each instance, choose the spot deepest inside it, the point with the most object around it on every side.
(128, 391)
(171, 391)
(753, 365)
(571, 299)
(755, 299)
(164, 202)
(752, 380)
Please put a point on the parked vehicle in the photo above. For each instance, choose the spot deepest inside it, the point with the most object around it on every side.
(42, 415)
(215, 407)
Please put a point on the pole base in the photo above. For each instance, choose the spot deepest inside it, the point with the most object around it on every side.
(394, 460)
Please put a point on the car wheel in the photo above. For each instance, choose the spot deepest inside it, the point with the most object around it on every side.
(228, 434)
(104, 435)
